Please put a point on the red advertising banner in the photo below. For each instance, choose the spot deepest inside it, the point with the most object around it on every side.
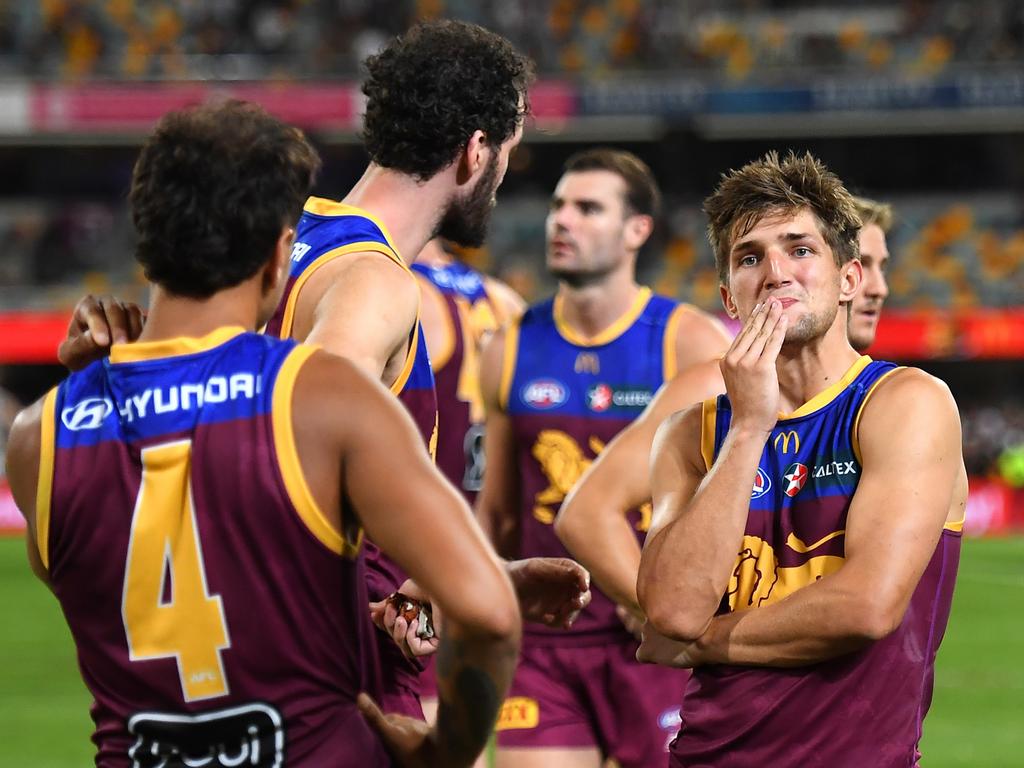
(980, 333)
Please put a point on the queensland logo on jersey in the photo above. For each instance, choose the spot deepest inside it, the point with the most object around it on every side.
(87, 414)
(762, 484)
(795, 478)
(599, 398)
(545, 393)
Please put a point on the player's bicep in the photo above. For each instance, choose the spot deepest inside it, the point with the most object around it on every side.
(912, 466)
(676, 468)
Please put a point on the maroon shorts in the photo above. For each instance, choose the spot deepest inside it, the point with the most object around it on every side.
(593, 696)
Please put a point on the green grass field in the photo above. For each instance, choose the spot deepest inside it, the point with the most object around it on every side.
(977, 718)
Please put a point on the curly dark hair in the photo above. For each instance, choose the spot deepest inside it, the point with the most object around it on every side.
(211, 190)
(771, 185)
(431, 88)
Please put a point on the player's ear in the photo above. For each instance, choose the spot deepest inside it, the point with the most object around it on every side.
(638, 228)
(473, 158)
(851, 276)
(730, 306)
(277, 269)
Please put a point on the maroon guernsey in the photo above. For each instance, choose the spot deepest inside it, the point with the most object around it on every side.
(220, 620)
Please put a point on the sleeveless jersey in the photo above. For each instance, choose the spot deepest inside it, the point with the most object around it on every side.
(470, 315)
(215, 611)
(327, 230)
(864, 708)
(567, 397)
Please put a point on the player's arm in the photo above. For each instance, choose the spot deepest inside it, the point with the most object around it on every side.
(698, 519)
(700, 336)
(912, 469)
(497, 505)
(23, 476)
(361, 307)
(592, 521)
(427, 528)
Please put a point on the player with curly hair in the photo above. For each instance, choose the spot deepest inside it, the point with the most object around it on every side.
(446, 102)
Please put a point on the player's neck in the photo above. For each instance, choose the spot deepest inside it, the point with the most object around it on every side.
(433, 255)
(809, 369)
(408, 208)
(172, 316)
(591, 309)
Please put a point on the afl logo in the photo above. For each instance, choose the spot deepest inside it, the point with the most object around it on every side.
(544, 393)
(762, 484)
(599, 397)
(795, 477)
(87, 414)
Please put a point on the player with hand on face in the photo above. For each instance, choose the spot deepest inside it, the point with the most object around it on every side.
(592, 521)
(807, 523)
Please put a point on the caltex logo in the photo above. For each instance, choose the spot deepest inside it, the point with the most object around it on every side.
(762, 484)
(599, 397)
(794, 479)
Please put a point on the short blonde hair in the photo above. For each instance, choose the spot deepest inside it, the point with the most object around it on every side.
(874, 212)
(770, 185)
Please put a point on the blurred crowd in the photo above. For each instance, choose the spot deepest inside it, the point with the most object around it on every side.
(732, 39)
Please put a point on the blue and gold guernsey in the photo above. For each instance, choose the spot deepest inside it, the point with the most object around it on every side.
(864, 708)
(328, 230)
(188, 556)
(567, 397)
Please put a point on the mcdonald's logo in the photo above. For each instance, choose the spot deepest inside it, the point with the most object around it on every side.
(587, 362)
(784, 438)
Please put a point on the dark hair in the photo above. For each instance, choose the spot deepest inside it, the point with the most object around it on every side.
(642, 194)
(211, 190)
(431, 88)
(770, 185)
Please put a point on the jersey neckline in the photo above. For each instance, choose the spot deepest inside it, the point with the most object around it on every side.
(830, 393)
(139, 351)
(618, 327)
(321, 206)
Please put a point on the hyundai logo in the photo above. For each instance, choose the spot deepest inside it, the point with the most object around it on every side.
(87, 414)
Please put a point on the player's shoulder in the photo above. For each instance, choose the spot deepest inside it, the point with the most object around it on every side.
(694, 320)
(681, 430)
(508, 303)
(908, 398)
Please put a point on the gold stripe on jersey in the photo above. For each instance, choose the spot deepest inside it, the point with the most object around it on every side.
(855, 432)
(669, 356)
(708, 423)
(410, 359)
(44, 485)
(609, 334)
(298, 489)
(367, 246)
(508, 363)
(829, 394)
(138, 351)
(321, 206)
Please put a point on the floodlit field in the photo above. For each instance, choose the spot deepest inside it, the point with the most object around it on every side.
(976, 719)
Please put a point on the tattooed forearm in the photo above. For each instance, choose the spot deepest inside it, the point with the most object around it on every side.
(473, 676)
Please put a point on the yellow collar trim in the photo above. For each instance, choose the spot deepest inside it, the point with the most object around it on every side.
(609, 334)
(321, 206)
(180, 345)
(826, 396)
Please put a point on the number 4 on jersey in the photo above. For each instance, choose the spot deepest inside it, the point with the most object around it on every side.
(180, 618)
